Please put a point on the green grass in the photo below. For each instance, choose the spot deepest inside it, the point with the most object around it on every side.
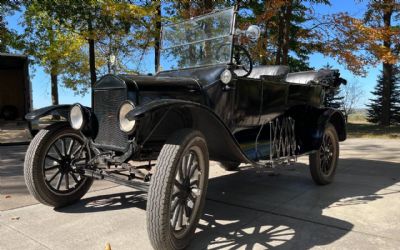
(359, 127)
(368, 130)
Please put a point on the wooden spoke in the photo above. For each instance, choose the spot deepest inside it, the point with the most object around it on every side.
(66, 181)
(71, 145)
(74, 177)
(64, 146)
(52, 167)
(59, 181)
(54, 176)
(58, 150)
(53, 158)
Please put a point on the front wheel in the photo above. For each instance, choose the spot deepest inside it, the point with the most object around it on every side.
(323, 163)
(50, 166)
(177, 191)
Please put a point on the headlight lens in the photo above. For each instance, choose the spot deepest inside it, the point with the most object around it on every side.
(126, 125)
(76, 118)
(226, 76)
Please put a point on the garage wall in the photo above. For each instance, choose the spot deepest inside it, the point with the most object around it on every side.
(12, 90)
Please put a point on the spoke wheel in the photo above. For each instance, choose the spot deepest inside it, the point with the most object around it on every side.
(323, 163)
(52, 166)
(177, 190)
(61, 164)
(186, 192)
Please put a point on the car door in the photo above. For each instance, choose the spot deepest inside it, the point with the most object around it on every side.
(247, 105)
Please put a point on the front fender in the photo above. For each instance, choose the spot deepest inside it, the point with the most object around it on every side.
(160, 118)
(60, 110)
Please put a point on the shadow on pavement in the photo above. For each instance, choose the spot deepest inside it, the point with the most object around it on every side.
(289, 221)
(108, 202)
(249, 209)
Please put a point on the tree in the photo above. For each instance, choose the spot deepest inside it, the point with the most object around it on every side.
(100, 21)
(157, 35)
(375, 108)
(51, 45)
(333, 98)
(8, 37)
(288, 38)
(352, 93)
(373, 39)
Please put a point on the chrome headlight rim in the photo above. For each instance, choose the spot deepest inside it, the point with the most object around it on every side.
(76, 116)
(226, 76)
(125, 125)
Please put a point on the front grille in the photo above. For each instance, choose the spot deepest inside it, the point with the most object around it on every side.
(105, 106)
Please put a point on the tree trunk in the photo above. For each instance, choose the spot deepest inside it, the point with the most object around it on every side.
(386, 93)
(54, 93)
(278, 56)
(54, 89)
(286, 33)
(387, 71)
(92, 58)
(157, 38)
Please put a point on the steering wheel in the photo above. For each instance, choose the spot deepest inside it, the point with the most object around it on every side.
(242, 60)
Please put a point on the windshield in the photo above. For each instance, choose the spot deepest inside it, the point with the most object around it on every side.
(201, 41)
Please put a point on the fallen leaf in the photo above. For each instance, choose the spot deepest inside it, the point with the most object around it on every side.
(15, 218)
(108, 246)
(8, 196)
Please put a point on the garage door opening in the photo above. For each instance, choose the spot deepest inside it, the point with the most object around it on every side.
(15, 98)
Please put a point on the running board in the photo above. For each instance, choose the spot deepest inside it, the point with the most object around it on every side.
(102, 175)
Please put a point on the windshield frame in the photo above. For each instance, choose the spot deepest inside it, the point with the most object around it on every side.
(231, 35)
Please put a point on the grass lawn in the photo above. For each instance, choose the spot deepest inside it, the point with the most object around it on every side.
(359, 127)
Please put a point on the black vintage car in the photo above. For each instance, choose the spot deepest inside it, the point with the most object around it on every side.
(157, 133)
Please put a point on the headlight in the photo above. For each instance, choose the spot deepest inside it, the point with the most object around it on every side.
(226, 76)
(76, 117)
(126, 125)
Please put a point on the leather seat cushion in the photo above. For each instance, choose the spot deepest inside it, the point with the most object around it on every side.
(265, 70)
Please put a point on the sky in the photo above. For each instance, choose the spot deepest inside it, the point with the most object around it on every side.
(41, 81)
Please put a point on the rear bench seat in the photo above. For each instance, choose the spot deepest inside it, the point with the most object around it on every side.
(281, 73)
(306, 77)
(265, 70)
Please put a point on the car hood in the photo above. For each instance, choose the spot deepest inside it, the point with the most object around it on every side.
(158, 83)
(192, 79)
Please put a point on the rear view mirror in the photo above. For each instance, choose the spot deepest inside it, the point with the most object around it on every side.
(253, 33)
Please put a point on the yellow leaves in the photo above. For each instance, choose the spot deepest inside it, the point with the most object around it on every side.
(358, 42)
(125, 11)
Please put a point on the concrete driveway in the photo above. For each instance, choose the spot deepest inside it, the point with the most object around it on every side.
(249, 209)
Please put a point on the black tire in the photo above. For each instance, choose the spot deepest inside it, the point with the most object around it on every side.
(40, 150)
(323, 163)
(229, 166)
(167, 204)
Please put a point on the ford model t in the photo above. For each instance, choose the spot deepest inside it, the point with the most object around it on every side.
(157, 133)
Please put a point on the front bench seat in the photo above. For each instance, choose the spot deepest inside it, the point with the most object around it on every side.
(306, 77)
(265, 70)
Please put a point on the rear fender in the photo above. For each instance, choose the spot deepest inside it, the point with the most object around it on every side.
(159, 119)
(330, 116)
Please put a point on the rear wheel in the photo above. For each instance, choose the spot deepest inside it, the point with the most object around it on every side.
(50, 166)
(177, 191)
(323, 163)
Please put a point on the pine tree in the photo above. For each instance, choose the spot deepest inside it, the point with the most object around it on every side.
(375, 107)
(333, 98)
